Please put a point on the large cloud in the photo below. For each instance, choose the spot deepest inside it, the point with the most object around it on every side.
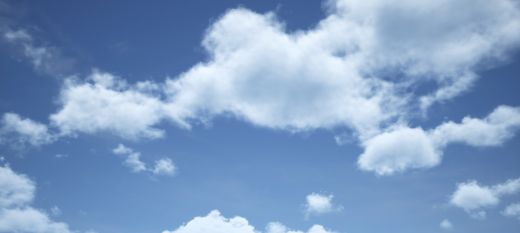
(214, 222)
(16, 212)
(350, 70)
(403, 148)
(365, 68)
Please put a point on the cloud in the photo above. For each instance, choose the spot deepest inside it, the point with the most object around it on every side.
(366, 68)
(44, 59)
(163, 166)
(349, 71)
(495, 129)
(106, 103)
(446, 225)
(512, 210)
(214, 222)
(16, 212)
(15, 190)
(19, 132)
(474, 198)
(398, 150)
(317, 204)
(402, 148)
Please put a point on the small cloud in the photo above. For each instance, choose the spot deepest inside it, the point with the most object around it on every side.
(60, 156)
(163, 166)
(55, 211)
(318, 204)
(21, 132)
(512, 210)
(446, 225)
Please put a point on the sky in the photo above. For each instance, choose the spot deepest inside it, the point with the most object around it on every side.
(272, 116)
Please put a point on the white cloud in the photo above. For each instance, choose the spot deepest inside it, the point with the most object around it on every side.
(214, 222)
(105, 103)
(19, 132)
(348, 71)
(15, 190)
(474, 198)
(45, 59)
(512, 210)
(358, 70)
(163, 166)
(29, 220)
(317, 204)
(16, 212)
(402, 148)
(398, 150)
(493, 130)
(446, 224)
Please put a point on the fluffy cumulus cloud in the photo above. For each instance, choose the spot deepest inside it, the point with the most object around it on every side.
(347, 71)
(214, 222)
(317, 204)
(366, 68)
(19, 132)
(474, 198)
(164, 166)
(402, 148)
(16, 212)
(105, 103)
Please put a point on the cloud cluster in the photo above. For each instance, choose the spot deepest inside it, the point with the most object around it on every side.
(214, 222)
(366, 68)
(474, 198)
(133, 161)
(317, 204)
(402, 148)
(16, 212)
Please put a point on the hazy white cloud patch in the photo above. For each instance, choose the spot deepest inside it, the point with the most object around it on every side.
(214, 222)
(446, 225)
(16, 213)
(475, 198)
(162, 167)
(19, 133)
(512, 210)
(44, 59)
(402, 148)
(318, 204)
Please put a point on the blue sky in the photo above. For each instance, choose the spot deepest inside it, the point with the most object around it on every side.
(259, 116)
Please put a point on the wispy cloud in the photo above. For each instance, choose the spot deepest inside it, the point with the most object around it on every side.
(163, 166)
